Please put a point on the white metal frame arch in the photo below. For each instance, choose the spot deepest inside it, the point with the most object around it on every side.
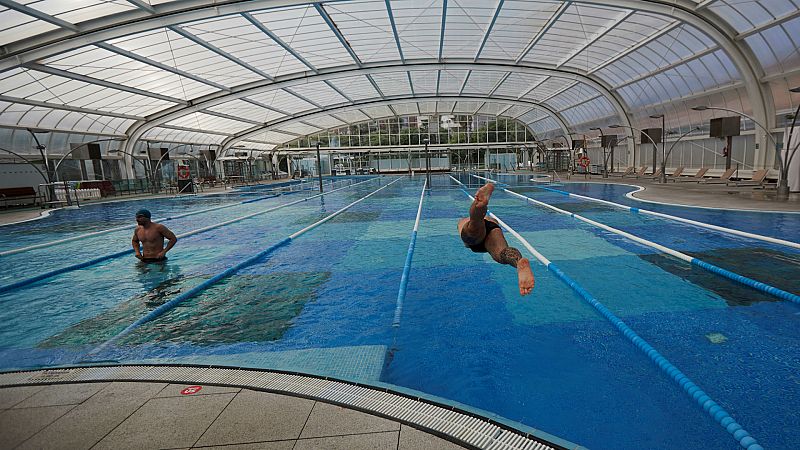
(386, 101)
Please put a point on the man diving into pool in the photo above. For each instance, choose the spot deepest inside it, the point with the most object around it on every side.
(483, 235)
(151, 236)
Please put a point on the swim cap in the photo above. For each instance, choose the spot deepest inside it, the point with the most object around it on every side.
(143, 212)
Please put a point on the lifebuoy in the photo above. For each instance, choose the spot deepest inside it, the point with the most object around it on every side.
(183, 173)
(583, 161)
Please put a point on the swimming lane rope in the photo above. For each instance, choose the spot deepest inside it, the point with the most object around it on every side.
(749, 282)
(125, 227)
(91, 262)
(401, 293)
(733, 231)
(698, 395)
(228, 272)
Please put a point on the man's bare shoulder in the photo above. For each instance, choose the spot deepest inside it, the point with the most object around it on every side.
(163, 228)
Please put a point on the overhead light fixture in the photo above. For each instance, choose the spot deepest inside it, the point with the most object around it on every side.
(595, 128)
(656, 116)
(700, 108)
(795, 90)
(614, 126)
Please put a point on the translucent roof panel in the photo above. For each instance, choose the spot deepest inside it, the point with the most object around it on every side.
(419, 25)
(256, 145)
(325, 121)
(282, 101)
(18, 115)
(319, 93)
(493, 109)
(465, 26)
(172, 135)
(367, 28)
(170, 48)
(240, 38)
(467, 107)
(273, 137)
(211, 123)
(76, 11)
(532, 116)
(545, 127)
(299, 128)
(15, 25)
(589, 111)
(405, 109)
(377, 111)
(518, 84)
(35, 85)
(112, 67)
(481, 82)
(393, 83)
(306, 32)
(549, 88)
(450, 81)
(778, 47)
(351, 116)
(517, 22)
(744, 16)
(424, 81)
(577, 94)
(356, 87)
(244, 109)
(427, 107)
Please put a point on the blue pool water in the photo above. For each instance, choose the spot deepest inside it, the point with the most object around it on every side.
(325, 303)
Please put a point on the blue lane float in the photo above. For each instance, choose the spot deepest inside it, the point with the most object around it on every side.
(401, 293)
(28, 281)
(714, 410)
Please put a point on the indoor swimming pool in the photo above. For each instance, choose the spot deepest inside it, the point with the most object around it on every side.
(321, 294)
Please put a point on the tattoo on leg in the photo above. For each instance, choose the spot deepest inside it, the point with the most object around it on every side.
(510, 256)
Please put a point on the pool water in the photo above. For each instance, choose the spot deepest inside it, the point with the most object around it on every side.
(325, 303)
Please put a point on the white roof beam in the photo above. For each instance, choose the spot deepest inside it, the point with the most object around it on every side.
(219, 51)
(375, 85)
(704, 4)
(499, 83)
(532, 88)
(558, 92)
(503, 111)
(335, 29)
(142, 5)
(441, 34)
(303, 98)
(464, 83)
(230, 117)
(278, 40)
(667, 67)
(488, 29)
(159, 65)
(595, 38)
(410, 83)
(649, 39)
(39, 15)
(535, 40)
(394, 30)
(99, 82)
(772, 23)
(25, 101)
(338, 91)
(194, 130)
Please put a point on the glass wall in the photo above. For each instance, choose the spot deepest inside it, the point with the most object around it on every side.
(413, 130)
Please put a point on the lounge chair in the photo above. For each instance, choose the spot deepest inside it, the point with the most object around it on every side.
(676, 173)
(756, 180)
(653, 175)
(640, 173)
(628, 171)
(722, 179)
(697, 177)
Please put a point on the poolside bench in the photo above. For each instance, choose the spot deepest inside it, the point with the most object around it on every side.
(757, 179)
(696, 177)
(18, 196)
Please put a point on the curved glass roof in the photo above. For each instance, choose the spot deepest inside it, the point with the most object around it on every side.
(266, 72)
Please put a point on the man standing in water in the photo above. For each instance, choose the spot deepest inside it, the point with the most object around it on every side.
(151, 236)
(483, 235)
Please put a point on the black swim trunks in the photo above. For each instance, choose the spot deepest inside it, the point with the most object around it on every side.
(153, 260)
(480, 247)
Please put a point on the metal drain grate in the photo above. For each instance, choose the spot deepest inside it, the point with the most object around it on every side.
(460, 427)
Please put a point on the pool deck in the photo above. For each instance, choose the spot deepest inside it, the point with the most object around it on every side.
(143, 415)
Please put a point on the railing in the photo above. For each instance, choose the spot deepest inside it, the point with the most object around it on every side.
(58, 194)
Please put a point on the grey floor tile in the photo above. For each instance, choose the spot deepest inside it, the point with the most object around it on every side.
(172, 422)
(332, 420)
(88, 422)
(371, 441)
(16, 425)
(13, 395)
(279, 445)
(258, 416)
(61, 394)
(174, 390)
(413, 439)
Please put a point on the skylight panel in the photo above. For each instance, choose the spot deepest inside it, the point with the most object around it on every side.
(162, 134)
(519, 21)
(319, 93)
(467, 21)
(450, 81)
(325, 121)
(241, 108)
(576, 94)
(418, 26)
(544, 126)
(493, 109)
(406, 109)
(777, 48)
(427, 107)
(424, 81)
(532, 116)
(377, 112)
(274, 137)
(171, 49)
(16, 26)
(76, 11)
(467, 107)
(352, 116)
(516, 111)
(517, 84)
(393, 83)
(210, 123)
(481, 82)
(298, 128)
(366, 26)
(304, 30)
(240, 38)
(586, 112)
(548, 88)
(256, 145)
(444, 106)
(282, 101)
(356, 87)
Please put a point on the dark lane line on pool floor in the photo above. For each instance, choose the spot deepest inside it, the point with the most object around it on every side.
(25, 282)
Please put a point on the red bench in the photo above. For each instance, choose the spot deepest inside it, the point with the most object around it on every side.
(18, 196)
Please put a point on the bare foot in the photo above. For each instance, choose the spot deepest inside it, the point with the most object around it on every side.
(483, 195)
(525, 276)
